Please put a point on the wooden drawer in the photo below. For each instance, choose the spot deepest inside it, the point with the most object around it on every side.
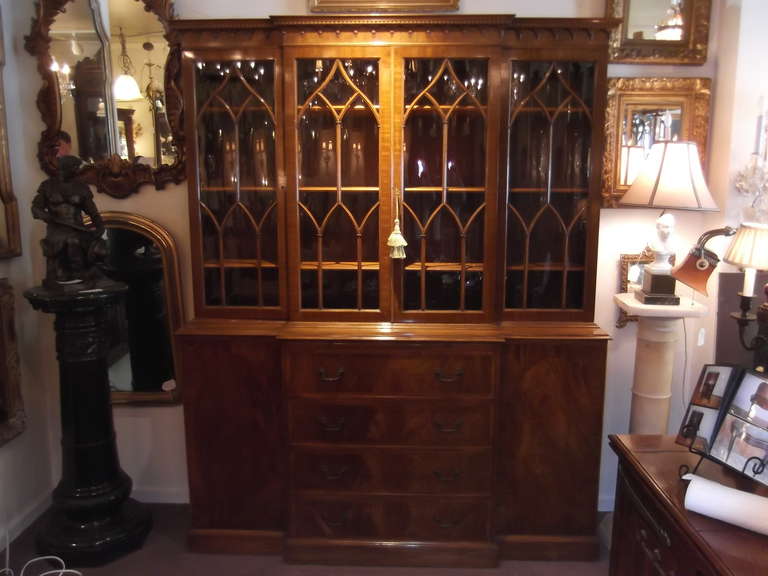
(375, 469)
(390, 518)
(389, 369)
(391, 421)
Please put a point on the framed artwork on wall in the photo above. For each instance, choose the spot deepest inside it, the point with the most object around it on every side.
(12, 417)
(10, 238)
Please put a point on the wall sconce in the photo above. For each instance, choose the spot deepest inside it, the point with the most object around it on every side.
(749, 251)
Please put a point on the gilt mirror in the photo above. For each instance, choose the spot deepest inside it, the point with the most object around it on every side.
(643, 111)
(660, 31)
(142, 254)
(110, 91)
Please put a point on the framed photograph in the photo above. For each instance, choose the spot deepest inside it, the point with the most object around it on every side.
(742, 446)
(712, 385)
(698, 428)
(750, 402)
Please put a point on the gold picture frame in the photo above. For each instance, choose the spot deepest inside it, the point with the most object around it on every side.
(626, 261)
(10, 236)
(378, 6)
(12, 416)
(690, 49)
(690, 97)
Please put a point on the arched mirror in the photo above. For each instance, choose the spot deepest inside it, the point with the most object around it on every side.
(110, 91)
(142, 254)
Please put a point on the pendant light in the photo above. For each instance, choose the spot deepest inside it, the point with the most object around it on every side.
(125, 86)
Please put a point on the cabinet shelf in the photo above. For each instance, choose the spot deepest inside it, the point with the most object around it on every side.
(555, 266)
(239, 263)
(449, 189)
(235, 107)
(551, 109)
(309, 265)
(446, 266)
(334, 189)
(576, 190)
(430, 108)
(233, 189)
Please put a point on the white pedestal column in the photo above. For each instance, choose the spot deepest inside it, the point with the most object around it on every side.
(654, 359)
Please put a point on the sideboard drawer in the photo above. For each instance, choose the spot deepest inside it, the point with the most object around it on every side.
(386, 369)
(375, 469)
(396, 421)
(396, 518)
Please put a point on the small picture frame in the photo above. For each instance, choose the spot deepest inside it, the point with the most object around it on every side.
(750, 403)
(712, 386)
(698, 428)
(742, 446)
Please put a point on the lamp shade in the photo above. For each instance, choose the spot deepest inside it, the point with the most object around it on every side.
(749, 247)
(671, 178)
(125, 88)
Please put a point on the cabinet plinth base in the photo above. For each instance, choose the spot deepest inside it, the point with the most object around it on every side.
(218, 541)
(549, 547)
(391, 553)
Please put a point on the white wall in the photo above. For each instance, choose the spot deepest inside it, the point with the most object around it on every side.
(151, 440)
(26, 469)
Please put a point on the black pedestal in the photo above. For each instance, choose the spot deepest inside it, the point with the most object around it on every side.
(92, 520)
(658, 289)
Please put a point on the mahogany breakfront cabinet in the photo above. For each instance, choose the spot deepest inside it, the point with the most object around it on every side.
(345, 407)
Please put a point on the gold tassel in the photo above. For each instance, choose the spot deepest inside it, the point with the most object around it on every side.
(396, 241)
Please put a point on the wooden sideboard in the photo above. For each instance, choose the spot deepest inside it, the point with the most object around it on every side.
(652, 531)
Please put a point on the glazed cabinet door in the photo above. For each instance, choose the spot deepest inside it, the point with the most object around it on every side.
(447, 126)
(554, 120)
(339, 158)
(234, 124)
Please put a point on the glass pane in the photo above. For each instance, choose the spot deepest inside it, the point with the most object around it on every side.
(422, 149)
(544, 289)
(444, 156)
(574, 295)
(550, 133)
(660, 20)
(317, 148)
(340, 289)
(338, 223)
(236, 155)
(466, 148)
(360, 148)
(242, 286)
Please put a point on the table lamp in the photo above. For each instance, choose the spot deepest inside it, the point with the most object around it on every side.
(671, 178)
(749, 251)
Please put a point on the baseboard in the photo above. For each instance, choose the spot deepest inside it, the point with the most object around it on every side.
(253, 542)
(391, 553)
(24, 520)
(549, 547)
(156, 495)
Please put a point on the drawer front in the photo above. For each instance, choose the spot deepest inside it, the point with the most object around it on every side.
(392, 518)
(466, 471)
(391, 369)
(407, 422)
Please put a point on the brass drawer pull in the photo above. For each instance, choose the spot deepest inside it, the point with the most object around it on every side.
(654, 556)
(449, 428)
(325, 378)
(331, 425)
(331, 474)
(448, 379)
(446, 523)
(449, 476)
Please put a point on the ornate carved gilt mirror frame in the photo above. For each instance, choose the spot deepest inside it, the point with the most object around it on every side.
(116, 176)
(686, 102)
(690, 49)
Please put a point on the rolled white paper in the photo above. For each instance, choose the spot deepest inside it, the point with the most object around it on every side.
(736, 507)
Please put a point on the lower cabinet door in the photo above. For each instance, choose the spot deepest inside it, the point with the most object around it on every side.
(390, 517)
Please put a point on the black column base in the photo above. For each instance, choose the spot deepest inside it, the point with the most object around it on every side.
(94, 542)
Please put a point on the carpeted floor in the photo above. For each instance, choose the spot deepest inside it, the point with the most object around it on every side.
(165, 553)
